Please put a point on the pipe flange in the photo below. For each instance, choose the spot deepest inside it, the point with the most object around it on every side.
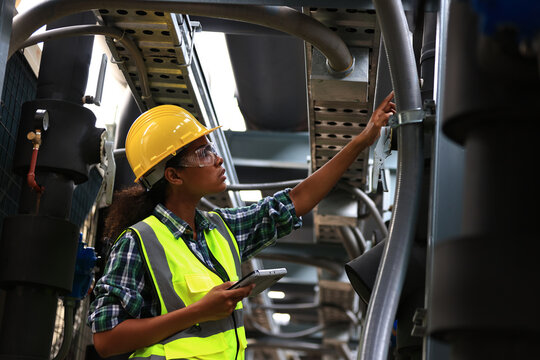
(343, 73)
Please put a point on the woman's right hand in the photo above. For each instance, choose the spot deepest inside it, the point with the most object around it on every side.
(219, 302)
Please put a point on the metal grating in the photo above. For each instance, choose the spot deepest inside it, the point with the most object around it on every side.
(162, 39)
(334, 118)
(334, 123)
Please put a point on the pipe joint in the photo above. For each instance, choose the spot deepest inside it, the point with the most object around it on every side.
(340, 73)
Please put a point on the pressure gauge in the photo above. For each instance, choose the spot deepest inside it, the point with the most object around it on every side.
(42, 116)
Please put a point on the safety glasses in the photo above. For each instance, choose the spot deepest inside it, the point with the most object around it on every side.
(203, 156)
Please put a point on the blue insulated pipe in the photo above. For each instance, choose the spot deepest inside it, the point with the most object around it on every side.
(384, 300)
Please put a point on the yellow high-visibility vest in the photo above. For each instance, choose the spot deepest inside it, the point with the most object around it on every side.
(181, 279)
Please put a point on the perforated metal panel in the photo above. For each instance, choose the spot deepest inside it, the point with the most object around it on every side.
(333, 121)
(164, 40)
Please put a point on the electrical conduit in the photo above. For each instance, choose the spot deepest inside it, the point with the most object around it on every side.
(384, 300)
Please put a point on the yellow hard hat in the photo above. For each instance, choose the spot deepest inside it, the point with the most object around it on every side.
(155, 136)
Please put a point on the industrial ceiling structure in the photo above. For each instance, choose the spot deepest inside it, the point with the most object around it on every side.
(362, 280)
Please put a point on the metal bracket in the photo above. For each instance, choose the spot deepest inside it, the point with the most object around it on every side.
(419, 322)
(380, 153)
(413, 116)
(194, 26)
(108, 165)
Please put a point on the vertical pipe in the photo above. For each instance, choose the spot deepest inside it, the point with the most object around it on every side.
(385, 298)
(38, 246)
(489, 89)
(446, 181)
(65, 63)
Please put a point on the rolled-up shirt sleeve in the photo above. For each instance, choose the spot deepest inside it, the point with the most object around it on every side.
(261, 224)
(118, 294)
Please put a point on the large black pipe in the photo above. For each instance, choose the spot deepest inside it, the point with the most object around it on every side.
(65, 63)
(38, 245)
(485, 303)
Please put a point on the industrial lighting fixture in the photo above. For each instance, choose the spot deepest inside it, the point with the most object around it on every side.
(282, 319)
(276, 294)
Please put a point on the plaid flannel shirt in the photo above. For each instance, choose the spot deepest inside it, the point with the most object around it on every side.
(125, 291)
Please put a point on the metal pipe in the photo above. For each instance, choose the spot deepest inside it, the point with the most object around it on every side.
(308, 306)
(86, 30)
(303, 346)
(298, 334)
(369, 203)
(366, 245)
(384, 300)
(288, 307)
(264, 186)
(69, 308)
(331, 266)
(280, 18)
(208, 204)
(35, 138)
(349, 242)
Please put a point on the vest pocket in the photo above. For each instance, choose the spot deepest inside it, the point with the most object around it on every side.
(197, 283)
(212, 347)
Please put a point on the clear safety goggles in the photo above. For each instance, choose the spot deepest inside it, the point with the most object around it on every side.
(203, 156)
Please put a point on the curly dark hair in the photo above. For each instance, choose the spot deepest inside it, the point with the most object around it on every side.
(131, 205)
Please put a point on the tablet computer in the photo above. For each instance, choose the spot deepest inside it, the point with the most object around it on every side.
(263, 279)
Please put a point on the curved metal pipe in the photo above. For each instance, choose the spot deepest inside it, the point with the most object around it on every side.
(280, 18)
(369, 203)
(86, 30)
(384, 300)
(305, 346)
(349, 242)
(331, 266)
(308, 306)
(366, 245)
(264, 186)
(298, 334)
(69, 308)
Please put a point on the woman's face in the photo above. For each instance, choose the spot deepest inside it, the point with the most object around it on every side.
(204, 180)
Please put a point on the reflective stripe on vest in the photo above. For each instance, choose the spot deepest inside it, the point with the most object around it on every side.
(181, 279)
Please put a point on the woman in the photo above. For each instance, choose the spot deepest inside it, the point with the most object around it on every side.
(164, 290)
